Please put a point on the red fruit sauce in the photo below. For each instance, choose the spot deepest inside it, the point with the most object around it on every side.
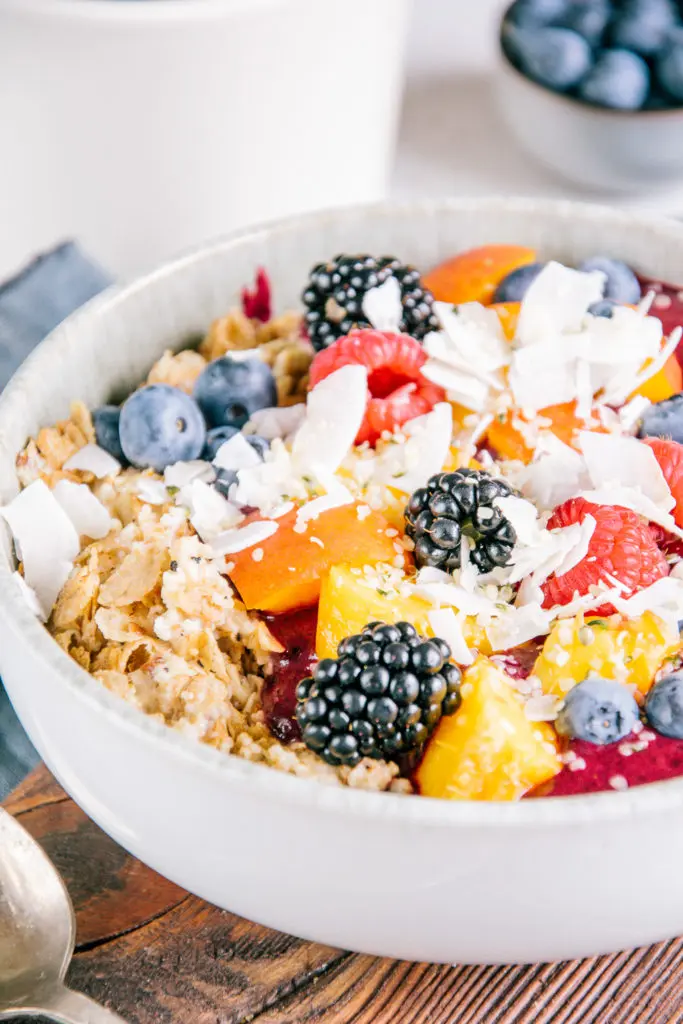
(296, 632)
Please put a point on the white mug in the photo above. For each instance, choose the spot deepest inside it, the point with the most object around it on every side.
(141, 127)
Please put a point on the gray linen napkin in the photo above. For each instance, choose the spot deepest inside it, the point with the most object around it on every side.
(31, 304)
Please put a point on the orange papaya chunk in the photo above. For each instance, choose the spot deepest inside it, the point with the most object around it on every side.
(473, 276)
(507, 439)
(508, 314)
(668, 381)
(289, 565)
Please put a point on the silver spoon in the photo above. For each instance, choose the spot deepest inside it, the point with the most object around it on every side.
(37, 933)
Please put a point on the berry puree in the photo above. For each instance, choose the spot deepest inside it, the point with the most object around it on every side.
(296, 632)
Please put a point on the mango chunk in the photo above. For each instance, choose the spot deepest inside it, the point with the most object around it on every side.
(349, 600)
(473, 276)
(628, 650)
(664, 383)
(289, 566)
(488, 750)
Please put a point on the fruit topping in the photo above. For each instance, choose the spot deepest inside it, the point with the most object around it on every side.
(289, 565)
(473, 276)
(397, 390)
(555, 57)
(160, 425)
(537, 12)
(664, 384)
(229, 390)
(106, 423)
(598, 711)
(457, 505)
(350, 597)
(217, 436)
(513, 287)
(663, 419)
(643, 25)
(335, 297)
(664, 706)
(604, 307)
(621, 284)
(587, 17)
(296, 633)
(669, 456)
(619, 79)
(256, 302)
(381, 697)
(628, 650)
(669, 67)
(490, 750)
(621, 549)
(506, 435)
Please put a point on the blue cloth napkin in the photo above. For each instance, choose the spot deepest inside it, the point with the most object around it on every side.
(31, 304)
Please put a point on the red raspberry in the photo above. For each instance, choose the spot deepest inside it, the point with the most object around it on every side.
(669, 455)
(256, 302)
(398, 391)
(622, 545)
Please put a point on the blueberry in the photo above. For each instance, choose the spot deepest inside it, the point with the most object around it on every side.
(642, 26)
(513, 287)
(160, 425)
(555, 57)
(669, 70)
(229, 390)
(258, 443)
(219, 435)
(622, 286)
(664, 419)
(603, 307)
(598, 711)
(619, 80)
(106, 423)
(225, 478)
(664, 706)
(587, 17)
(537, 12)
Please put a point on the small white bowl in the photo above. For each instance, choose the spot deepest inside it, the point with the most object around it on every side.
(608, 150)
(408, 877)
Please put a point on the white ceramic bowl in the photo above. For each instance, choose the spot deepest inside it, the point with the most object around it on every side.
(609, 150)
(407, 877)
(141, 128)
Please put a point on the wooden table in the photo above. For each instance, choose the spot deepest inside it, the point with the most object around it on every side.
(156, 954)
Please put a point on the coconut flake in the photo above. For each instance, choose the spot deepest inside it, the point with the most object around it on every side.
(515, 626)
(152, 491)
(313, 509)
(276, 421)
(231, 541)
(46, 541)
(88, 514)
(628, 462)
(630, 413)
(236, 453)
(180, 474)
(93, 459)
(522, 516)
(542, 707)
(334, 413)
(29, 596)
(557, 473)
(210, 512)
(382, 306)
(449, 626)
(555, 302)
(409, 465)
(663, 598)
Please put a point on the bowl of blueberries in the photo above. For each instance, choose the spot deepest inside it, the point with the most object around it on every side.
(594, 89)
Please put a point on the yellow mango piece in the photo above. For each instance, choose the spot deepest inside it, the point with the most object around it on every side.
(489, 749)
(349, 600)
(628, 650)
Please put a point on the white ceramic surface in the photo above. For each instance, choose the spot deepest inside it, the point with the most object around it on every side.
(609, 150)
(144, 127)
(401, 876)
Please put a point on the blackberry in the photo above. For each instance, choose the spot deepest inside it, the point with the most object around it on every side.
(453, 505)
(334, 297)
(381, 697)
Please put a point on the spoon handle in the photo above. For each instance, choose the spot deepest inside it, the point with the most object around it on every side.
(67, 1007)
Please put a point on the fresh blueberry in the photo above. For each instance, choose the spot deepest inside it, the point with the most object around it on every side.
(555, 57)
(664, 706)
(225, 478)
(527, 13)
(513, 287)
(215, 438)
(664, 419)
(598, 711)
(603, 307)
(160, 425)
(230, 390)
(219, 435)
(619, 80)
(621, 285)
(642, 26)
(587, 17)
(106, 423)
(669, 70)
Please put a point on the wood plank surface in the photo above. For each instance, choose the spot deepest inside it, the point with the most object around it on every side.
(157, 955)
